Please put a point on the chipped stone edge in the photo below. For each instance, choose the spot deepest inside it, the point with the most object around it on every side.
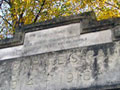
(87, 20)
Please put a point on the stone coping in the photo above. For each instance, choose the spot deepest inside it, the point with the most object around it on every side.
(87, 20)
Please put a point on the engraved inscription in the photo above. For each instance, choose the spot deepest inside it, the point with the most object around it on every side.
(87, 75)
(69, 77)
(15, 74)
(101, 59)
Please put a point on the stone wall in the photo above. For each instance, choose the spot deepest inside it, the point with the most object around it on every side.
(68, 53)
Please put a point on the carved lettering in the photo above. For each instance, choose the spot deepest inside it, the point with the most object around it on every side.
(13, 85)
(79, 76)
(89, 57)
(30, 82)
(61, 60)
(69, 77)
(101, 59)
(74, 58)
(87, 75)
(15, 74)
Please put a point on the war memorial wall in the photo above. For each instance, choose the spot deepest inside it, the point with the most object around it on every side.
(67, 53)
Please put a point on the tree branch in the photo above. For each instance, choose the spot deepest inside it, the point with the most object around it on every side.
(36, 17)
(20, 17)
(7, 1)
(6, 20)
(112, 5)
(1, 3)
(99, 9)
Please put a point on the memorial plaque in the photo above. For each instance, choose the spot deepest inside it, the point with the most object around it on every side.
(60, 39)
(55, 39)
(55, 57)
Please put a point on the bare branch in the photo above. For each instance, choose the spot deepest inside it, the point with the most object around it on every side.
(7, 1)
(20, 17)
(99, 9)
(6, 20)
(112, 5)
(36, 17)
(1, 3)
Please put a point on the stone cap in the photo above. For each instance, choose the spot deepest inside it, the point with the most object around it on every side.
(88, 23)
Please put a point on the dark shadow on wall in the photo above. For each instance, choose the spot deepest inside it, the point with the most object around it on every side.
(92, 89)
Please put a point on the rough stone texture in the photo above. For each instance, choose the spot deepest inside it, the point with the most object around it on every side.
(18, 37)
(116, 33)
(87, 21)
(92, 25)
(95, 67)
(55, 39)
(89, 61)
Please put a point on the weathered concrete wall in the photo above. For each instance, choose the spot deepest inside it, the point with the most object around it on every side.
(70, 54)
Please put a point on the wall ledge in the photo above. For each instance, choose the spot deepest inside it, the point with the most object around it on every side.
(87, 20)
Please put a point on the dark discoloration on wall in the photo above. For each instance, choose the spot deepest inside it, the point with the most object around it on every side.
(96, 49)
(58, 70)
(88, 24)
(92, 67)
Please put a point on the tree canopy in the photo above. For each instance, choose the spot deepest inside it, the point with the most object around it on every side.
(15, 13)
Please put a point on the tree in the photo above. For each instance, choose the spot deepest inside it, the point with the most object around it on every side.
(15, 13)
